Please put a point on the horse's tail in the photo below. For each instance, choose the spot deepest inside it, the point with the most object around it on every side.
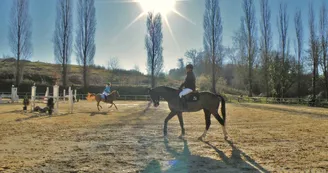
(223, 108)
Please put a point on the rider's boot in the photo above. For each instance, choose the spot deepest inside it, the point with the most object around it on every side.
(183, 102)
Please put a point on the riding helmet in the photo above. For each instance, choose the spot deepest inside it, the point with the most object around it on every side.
(189, 66)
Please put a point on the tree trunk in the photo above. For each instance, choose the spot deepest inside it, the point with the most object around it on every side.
(250, 79)
(326, 81)
(17, 72)
(314, 81)
(85, 82)
(213, 77)
(64, 76)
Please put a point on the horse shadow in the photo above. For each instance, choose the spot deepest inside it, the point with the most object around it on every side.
(98, 113)
(185, 161)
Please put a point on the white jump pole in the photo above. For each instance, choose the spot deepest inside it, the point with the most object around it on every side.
(70, 100)
(46, 95)
(14, 96)
(56, 98)
(64, 94)
(75, 95)
(33, 92)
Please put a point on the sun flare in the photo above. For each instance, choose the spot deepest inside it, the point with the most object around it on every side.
(158, 6)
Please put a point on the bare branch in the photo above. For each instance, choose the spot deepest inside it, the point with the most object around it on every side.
(212, 38)
(20, 25)
(85, 36)
(63, 36)
(250, 32)
(153, 43)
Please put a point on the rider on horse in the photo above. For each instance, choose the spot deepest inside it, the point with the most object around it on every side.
(107, 90)
(189, 85)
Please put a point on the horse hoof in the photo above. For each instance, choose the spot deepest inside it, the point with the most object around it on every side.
(200, 138)
(166, 140)
(225, 137)
(181, 137)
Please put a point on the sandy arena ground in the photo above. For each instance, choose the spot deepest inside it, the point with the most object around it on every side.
(263, 138)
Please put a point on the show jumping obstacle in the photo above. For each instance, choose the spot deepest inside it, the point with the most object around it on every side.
(13, 96)
(55, 97)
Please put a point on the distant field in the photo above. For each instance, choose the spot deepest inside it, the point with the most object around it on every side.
(263, 137)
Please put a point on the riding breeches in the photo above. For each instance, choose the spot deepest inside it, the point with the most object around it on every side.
(185, 92)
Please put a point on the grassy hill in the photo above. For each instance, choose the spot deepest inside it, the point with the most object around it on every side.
(44, 74)
(128, 82)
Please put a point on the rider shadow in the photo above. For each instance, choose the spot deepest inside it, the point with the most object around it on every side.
(185, 162)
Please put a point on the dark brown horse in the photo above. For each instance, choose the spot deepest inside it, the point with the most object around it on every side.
(110, 99)
(207, 101)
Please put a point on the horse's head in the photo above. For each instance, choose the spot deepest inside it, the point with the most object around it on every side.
(116, 93)
(155, 98)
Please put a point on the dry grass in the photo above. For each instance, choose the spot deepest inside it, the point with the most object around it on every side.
(262, 138)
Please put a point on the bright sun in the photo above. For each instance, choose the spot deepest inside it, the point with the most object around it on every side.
(158, 6)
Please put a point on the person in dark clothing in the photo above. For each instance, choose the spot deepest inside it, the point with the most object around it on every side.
(189, 84)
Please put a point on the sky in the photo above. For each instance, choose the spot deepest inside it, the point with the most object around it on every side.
(114, 40)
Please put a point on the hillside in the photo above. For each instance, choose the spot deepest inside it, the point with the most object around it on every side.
(128, 82)
(44, 74)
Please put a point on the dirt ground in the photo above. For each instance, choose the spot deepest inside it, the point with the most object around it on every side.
(263, 138)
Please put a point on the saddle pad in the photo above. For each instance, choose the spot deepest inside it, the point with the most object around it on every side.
(193, 97)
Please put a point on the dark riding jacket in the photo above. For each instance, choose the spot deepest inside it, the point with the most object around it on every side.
(190, 81)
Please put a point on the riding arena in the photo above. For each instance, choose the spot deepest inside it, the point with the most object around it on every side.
(261, 138)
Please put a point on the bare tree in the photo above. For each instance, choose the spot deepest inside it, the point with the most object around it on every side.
(266, 40)
(63, 36)
(136, 68)
(113, 63)
(324, 44)
(314, 49)
(283, 28)
(20, 25)
(212, 38)
(299, 37)
(153, 43)
(181, 64)
(192, 56)
(85, 36)
(250, 30)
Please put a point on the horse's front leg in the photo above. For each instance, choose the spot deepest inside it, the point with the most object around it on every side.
(181, 125)
(110, 106)
(115, 106)
(170, 116)
(98, 105)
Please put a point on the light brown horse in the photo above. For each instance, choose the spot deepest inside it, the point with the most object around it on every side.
(110, 99)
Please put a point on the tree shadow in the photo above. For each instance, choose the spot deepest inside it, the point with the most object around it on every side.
(185, 162)
(263, 106)
(98, 113)
(39, 115)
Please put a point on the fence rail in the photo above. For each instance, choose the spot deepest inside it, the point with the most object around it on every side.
(230, 98)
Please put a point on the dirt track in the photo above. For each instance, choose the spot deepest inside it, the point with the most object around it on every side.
(262, 138)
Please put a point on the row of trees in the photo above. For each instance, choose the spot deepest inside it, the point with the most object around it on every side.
(20, 36)
(254, 59)
(280, 68)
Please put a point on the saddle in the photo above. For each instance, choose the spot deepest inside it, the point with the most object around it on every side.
(192, 97)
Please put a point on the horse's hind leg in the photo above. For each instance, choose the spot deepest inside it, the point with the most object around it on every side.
(208, 123)
(217, 116)
(181, 125)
